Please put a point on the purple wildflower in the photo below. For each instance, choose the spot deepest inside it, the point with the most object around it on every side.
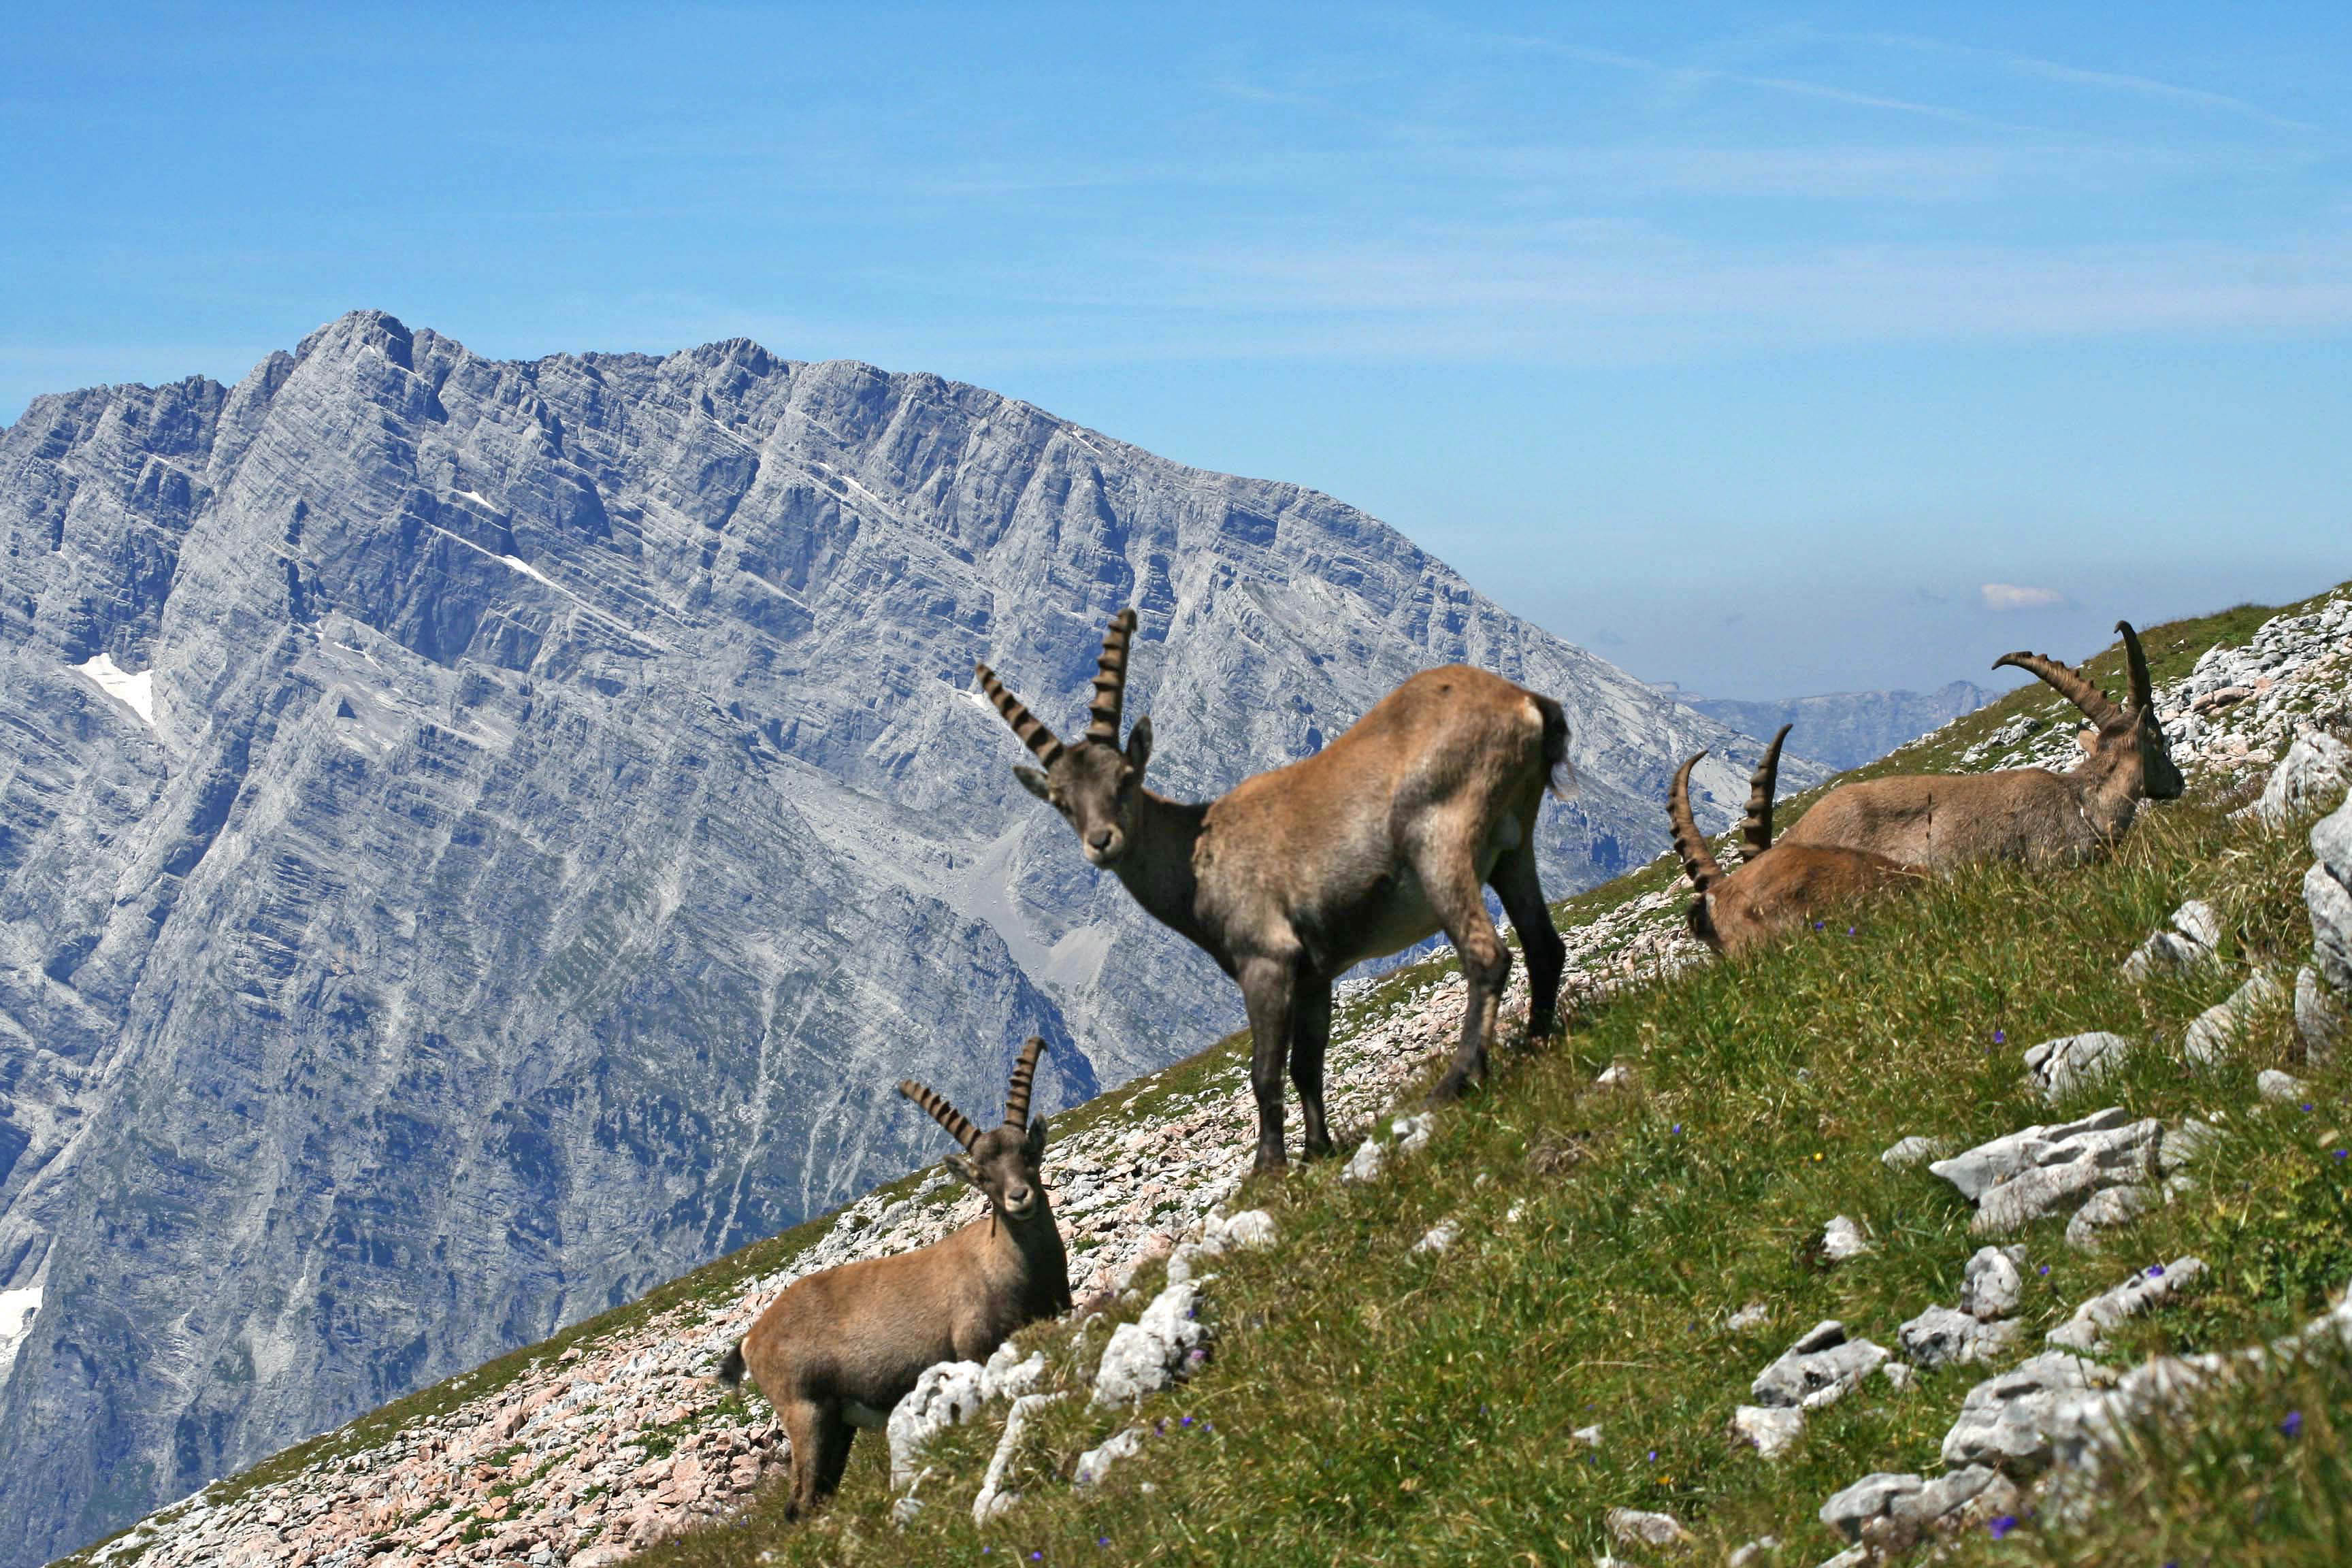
(2003, 1525)
(2155, 1270)
(2001, 1037)
(2293, 1425)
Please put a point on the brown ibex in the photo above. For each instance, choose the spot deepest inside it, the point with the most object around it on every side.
(1772, 890)
(839, 1348)
(2017, 813)
(1390, 833)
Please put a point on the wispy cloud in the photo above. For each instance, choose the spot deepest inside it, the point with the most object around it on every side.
(2001, 598)
(1688, 77)
(2078, 76)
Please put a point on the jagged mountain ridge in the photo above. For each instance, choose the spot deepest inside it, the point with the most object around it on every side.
(1847, 729)
(562, 809)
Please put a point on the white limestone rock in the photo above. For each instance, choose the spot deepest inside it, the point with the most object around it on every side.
(2315, 772)
(2148, 1288)
(1145, 1356)
(2059, 1068)
(1842, 1239)
(1772, 1429)
(1097, 1462)
(1915, 1150)
(945, 1395)
(1993, 1283)
(2003, 1422)
(1820, 1367)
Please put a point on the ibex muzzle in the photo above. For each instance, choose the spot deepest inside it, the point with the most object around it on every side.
(1388, 835)
(2017, 813)
(839, 1348)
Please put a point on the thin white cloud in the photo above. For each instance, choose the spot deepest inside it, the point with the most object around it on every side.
(2001, 597)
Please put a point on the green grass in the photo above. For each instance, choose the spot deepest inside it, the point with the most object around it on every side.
(1368, 1406)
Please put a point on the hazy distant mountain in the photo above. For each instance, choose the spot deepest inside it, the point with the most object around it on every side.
(478, 838)
(1847, 729)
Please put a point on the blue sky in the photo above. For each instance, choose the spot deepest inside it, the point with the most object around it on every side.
(1747, 346)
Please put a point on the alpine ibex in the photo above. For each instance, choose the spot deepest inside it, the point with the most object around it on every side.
(839, 1348)
(1773, 890)
(2017, 813)
(1387, 836)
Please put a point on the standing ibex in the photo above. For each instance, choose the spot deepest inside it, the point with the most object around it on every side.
(839, 1348)
(1773, 890)
(2017, 813)
(1388, 835)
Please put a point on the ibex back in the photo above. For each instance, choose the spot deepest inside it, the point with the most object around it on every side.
(839, 1348)
(2016, 814)
(1387, 836)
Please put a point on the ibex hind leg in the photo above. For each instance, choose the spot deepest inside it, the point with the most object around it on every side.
(1266, 989)
(1513, 878)
(1310, 1036)
(1460, 899)
(820, 1440)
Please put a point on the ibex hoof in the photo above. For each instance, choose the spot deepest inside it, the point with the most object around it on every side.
(1449, 1087)
(1270, 1165)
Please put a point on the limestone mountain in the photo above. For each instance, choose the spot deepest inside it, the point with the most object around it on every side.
(1847, 729)
(478, 838)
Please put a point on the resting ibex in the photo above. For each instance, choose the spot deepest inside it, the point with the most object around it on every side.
(1388, 835)
(2018, 813)
(838, 1348)
(1773, 890)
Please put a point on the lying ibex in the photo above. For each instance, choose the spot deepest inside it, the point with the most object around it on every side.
(838, 1348)
(1773, 890)
(2017, 813)
(1386, 835)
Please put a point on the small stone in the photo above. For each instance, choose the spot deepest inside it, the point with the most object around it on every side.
(2321, 1020)
(1770, 1430)
(1754, 1315)
(2143, 1289)
(1639, 1527)
(1439, 1236)
(1993, 1283)
(1898, 1376)
(1750, 1554)
(1873, 1496)
(2109, 1207)
(1943, 1495)
(1252, 1230)
(1915, 1150)
(1412, 1132)
(1588, 1436)
(1616, 1073)
(2275, 1085)
(1097, 1460)
(2061, 1067)
(2003, 1421)
(1842, 1239)
(1144, 1356)
(2184, 1143)
(2315, 771)
(2214, 1032)
(1822, 1363)
(1942, 1337)
(1370, 1159)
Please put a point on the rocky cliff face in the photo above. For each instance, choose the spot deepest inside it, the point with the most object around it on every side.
(476, 838)
(1847, 729)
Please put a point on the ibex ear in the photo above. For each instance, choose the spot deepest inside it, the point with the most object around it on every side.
(1139, 744)
(1033, 782)
(961, 1164)
(1034, 1147)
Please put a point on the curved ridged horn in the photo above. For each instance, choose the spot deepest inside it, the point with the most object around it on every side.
(1025, 1072)
(958, 1124)
(1110, 680)
(1755, 832)
(2071, 684)
(1698, 865)
(1025, 724)
(2143, 691)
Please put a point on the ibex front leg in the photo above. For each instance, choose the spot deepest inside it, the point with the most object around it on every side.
(1266, 989)
(1460, 905)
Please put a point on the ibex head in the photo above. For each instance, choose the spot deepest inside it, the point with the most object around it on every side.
(1004, 1163)
(1094, 784)
(2125, 738)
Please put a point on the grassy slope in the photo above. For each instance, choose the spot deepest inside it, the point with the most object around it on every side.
(1370, 1406)
(1367, 1405)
